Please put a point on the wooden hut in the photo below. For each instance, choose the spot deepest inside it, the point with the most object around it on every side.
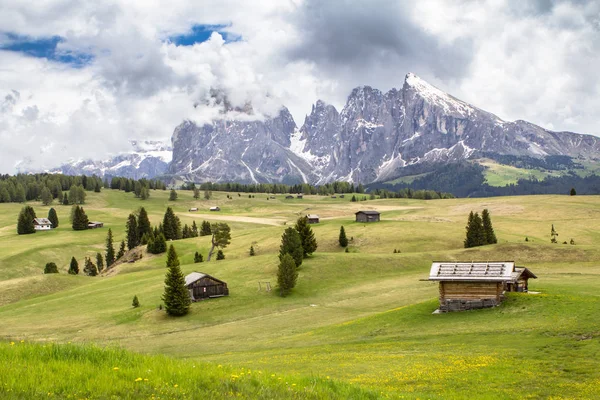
(95, 224)
(312, 218)
(203, 286)
(368, 216)
(472, 285)
(215, 208)
(42, 224)
(193, 209)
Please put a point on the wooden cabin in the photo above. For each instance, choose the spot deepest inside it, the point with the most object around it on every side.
(272, 197)
(203, 286)
(368, 216)
(95, 224)
(42, 224)
(215, 208)
(472, 285)
(289, 197)
(193, 209)
(312, 218)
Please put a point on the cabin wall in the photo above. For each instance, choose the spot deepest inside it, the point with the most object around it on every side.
(459, 296)
(206, 287)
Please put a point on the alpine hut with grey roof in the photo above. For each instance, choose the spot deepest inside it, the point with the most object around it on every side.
(42, 224)
(472, 285)
(368, 216)
(203, 286)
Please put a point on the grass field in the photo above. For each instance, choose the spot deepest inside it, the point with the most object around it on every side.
(358, 324)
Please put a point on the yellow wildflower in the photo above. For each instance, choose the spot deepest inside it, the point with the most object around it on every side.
(138, 379)
(12, 343)
(175, 385)
(115, 368)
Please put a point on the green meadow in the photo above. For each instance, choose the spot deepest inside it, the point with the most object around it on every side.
(357, 325)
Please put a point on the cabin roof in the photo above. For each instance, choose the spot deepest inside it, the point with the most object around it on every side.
(312, 216)
(368, 212)
(42, 221)
(194, 276)
(497, 271)
(522, 271)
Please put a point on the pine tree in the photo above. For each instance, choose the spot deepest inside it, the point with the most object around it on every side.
(90, 269)
(143, 223)
(65, 199)
(198, 258)
(51, 268)
(176, 296)
(205, 229)
(343, 240)
(252, 250)
(53, 217)
(475, 232)
(133, 240)
(109, 257)
(121, 251)
(553, 235)
(25, 221)
(307, 236)
(99, 262)
(287, 274)
(158, 244)
(291, 244)
(573, 192)
(221, 237)
(490, 236)
(80, 219)
(220, 255)
(73, 267)
(135, 303)
(173, 195)
(170, 225)
(97, 187)
(46, 196)
(186, 233)
(194, 229)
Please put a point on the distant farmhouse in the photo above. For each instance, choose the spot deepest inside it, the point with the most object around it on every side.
(95, 224)
(467, 286)
(215, 208)
(42, 224)
(312, 218)
(203, 286)
(368, 216)
(193, 209)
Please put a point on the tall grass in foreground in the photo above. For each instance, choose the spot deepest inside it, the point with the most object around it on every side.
(67, 371)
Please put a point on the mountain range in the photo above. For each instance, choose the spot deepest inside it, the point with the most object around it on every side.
(373, 138)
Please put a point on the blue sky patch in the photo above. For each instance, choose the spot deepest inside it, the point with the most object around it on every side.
(201, 33)
(43, 48)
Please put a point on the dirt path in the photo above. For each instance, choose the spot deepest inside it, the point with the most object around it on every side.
(237, 218)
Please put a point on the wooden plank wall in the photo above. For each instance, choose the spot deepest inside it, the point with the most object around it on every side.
(470, 290)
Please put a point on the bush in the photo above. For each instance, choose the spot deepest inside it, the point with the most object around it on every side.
(220, 255)
(51, 268)
(198, 258)
(136, 302)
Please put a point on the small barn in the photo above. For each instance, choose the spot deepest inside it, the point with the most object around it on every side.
(203, 286)
(95, 224)
(289, 197)
(193, 209)
(368, 216)
(312, 218)
(42, 224)
(272, 197)
(472, 285)
(215, 208)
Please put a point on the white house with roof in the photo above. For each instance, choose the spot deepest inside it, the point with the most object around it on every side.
(42, 224)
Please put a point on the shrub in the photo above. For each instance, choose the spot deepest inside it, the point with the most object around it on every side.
(220, 255)
(51, 268)
(135, 303)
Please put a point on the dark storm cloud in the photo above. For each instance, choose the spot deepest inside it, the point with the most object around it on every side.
(358, 36)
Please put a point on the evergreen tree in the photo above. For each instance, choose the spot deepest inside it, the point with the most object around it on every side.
(121, 251)
(287, 274)
(80, 219)
(53, 217)
(198, 258)
(220, 255)
(205, 229)
(173, 195)
(572, 192)
(307, 236)
(252, 250)
(109, 257)
(207, 194)
(73, 267)
(46, 196)
(145, 193)
(97, 187)
(99, 262)
(144, 239)
(65, 199)
(135, 303)
(133, 240)
(90, 269)
(25, 221)
(488, 230)
(20, 195)
(343, 240)
(196, 193)
(291, 244)
(553, 235)
(158, 244)
(143, 223)
(221, 237)
(176, 296)
(170, 226)
(194, 229)
(186, 233)
(51, 268)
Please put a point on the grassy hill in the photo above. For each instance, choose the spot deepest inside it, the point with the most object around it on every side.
(357, 322)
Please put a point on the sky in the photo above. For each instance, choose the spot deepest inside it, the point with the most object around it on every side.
(79, 79)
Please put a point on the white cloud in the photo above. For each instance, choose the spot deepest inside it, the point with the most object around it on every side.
(533, 61)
